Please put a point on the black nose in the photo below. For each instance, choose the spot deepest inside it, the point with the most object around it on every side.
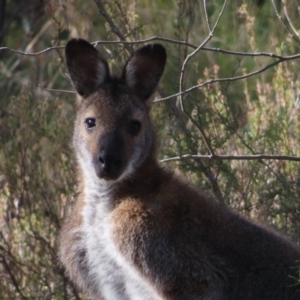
(111, 165)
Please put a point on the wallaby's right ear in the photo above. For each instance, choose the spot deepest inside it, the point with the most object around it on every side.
(87, 68)
(144, 69)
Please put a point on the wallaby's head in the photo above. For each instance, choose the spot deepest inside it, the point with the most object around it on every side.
(113, 133)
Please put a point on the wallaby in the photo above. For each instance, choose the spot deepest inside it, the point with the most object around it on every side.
(138, 231)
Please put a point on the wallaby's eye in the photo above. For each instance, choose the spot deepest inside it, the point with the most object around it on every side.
(90, 123)
(134, 127)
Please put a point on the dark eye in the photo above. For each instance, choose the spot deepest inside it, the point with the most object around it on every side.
(90, 123)
(134, 127)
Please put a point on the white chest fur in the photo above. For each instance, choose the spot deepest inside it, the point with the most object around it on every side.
(110, 276)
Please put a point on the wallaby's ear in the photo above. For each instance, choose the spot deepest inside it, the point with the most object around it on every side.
(87, 68)
(143, 70)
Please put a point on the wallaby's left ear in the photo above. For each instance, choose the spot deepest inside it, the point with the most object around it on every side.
(144, 69)
(87, 68)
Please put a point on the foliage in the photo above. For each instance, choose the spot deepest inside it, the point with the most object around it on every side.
(253, 115)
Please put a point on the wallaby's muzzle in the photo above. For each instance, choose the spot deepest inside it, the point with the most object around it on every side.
(110, 166)
(110, 161)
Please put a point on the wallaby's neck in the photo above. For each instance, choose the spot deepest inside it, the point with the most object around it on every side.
(143, 181)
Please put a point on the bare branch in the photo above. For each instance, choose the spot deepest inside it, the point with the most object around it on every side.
(157, 38)
(290, 30)
(111, 23)
(187, 59)
(14, 281)
(232, 157)
(206, 16)
(32, 54)
(59, 91)
(191, 55)
(211, 81)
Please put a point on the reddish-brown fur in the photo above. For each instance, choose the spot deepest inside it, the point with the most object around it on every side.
(137, 230)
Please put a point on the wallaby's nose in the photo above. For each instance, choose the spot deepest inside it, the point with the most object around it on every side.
(111, 165)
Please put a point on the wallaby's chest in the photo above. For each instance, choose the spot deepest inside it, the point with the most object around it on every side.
(114, 276)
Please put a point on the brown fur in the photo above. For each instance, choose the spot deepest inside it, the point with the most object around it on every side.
(141, 232)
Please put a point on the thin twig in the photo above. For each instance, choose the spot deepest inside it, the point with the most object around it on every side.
(206, 16)
(290, 31)
(15, 282)
(232, 157)
(111, 23)
(292, 28)
(187, 59)
(191, 55)
(59, 91)
(32, 53)
(211, 81)
(157, 38)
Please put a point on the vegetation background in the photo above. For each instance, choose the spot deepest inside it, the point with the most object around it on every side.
(241, 96)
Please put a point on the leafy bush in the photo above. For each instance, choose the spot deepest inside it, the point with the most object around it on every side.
(228, 112)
